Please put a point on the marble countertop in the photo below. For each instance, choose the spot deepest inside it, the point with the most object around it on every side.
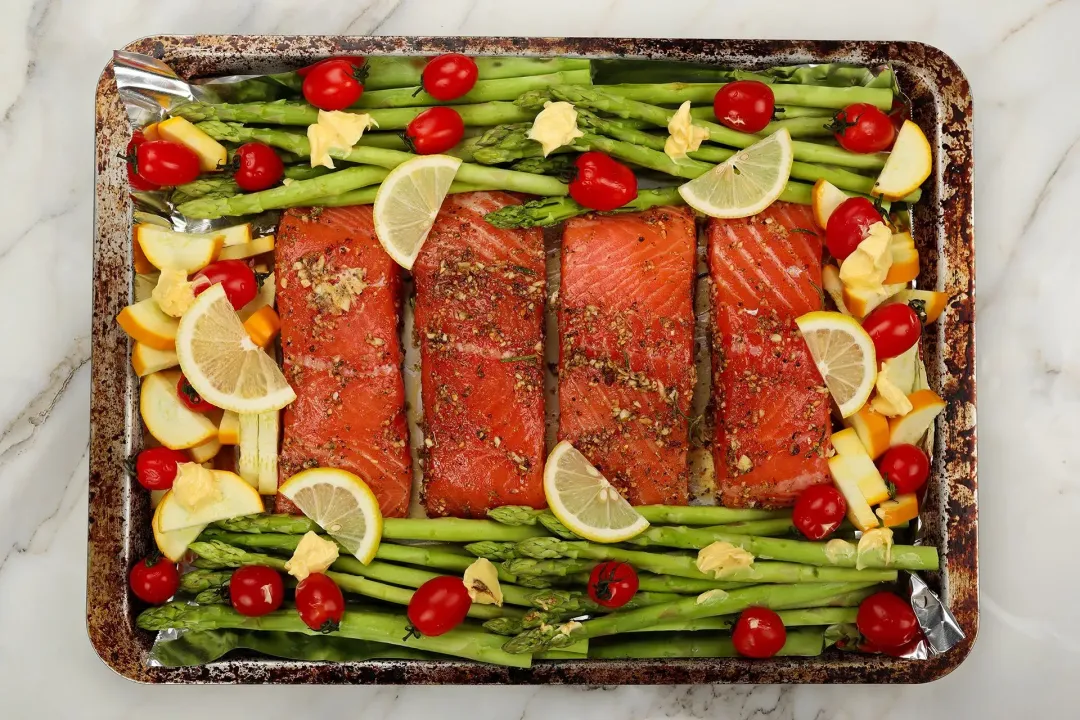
(1021, 60)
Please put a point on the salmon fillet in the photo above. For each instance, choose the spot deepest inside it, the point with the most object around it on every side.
(339, 297)
(772, 408)
(626, 366)
(479, 324)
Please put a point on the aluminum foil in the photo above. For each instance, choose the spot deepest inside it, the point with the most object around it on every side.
(940, 629)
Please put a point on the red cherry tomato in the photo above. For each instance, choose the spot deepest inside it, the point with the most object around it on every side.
(136, 181)
(356, 61)
(759, 633)
(435, 130)
(334, 84)
(818, 511)
(744, 105)
(256, 590)
(848, 225)
(155, 468)
(862, 128)
(154, 579)
(886, 620)
(894, 329)
(163, 162)
(258, 167)
(439, 605)
(905, 466)
(602, 183)
(449, 76)
(236, 277)
(191, 399)
(320, 603)
(612, 584)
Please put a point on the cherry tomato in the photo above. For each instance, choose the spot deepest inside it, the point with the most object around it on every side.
(905, 466)
(238, 279)
(191, 399)
(449, 76)
(435, 130)
(818, 511)
(256, 590)
(886, 620)
(136, 181)
(258, 167)
(164, 162)
(602, 183)
(862, 128)
(438, 606)
(334, 84)
(894, 329)
(612, 584)
(848, 225)
(744, 105)
(320, 603)
(356, 61)
(154, 579)
(759, 633)
(155, 468)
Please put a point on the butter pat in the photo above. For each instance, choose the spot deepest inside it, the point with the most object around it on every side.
(684, 135)
(482, 581)
(173, 293)
(195, 486)
(555, 126)
(721, 558)
(837, 550)
(336, 130)
(867, 267)
(313, 554)
(891, 400)
(872, 541)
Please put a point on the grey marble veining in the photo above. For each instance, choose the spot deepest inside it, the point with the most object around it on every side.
(1021, 58)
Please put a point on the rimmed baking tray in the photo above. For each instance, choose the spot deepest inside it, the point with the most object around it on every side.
(943, 226)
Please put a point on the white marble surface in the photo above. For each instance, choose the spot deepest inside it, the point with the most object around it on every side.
(1021, 57)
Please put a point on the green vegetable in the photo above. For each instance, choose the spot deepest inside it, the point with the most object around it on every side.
(531, 567)
(218, 186)
(550, 211)
(658, 514)
(454, 530)
(816, 96)
(300, 113)
(791, 618)
(366, 196)
(278, 524)
(652, 582)
(560, 166)
(483, 91)
(392, 71)
(805, 643)
(578, 603)
(494, 551)
(196, 581)
(622, 70)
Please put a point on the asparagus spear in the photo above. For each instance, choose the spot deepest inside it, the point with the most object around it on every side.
(816, 96)
(902, 557)
(559, 166)
(277, 524)
(393, 71)
(218, 186)
(690, 608)
(656, 514)
(356, 624)
(213, 596)
(532, 567)
(284, 112)
(437, 529)
(685, 566)
(483, 91)
(791, 618)
(652, 582)
(550, 211)
(305, 172)
(765, 528)
(196, 581)
(579, 603)
(366, 196)
(804, 643)
(493, 551)
(467, 172)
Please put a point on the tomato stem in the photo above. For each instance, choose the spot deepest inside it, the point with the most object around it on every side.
(411, 632)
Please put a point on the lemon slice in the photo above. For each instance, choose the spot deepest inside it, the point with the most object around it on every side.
(342, 504)
(408, 201)
(222, 363)
(744, 184)
(584, 501)
(173, 544)
(845, 357)
(908, 165)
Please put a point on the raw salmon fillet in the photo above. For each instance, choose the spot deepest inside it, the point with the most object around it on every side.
(479, 324)
(626, 365)
(339, 296)
(772, 408)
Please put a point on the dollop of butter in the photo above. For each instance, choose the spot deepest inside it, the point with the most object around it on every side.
(555, 126)
(482, 581)
(195, 486)
(708, 595)
(173, 293)
(684, 135)
(313, 554)
(837, 550)
(872, 541)
(891, 400)
(867, 267)
(721, 558)
(336, 130)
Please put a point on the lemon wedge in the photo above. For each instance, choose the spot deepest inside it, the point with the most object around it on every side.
(746, 183)
(342, 504)
(908, 165)
(845, 357)
(824, 198)
(234, 498)
(584, 501)
(222, 363)
(408, 201)
(173, 544)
